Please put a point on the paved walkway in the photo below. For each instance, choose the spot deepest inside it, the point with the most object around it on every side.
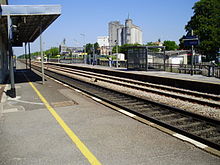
(34, 134)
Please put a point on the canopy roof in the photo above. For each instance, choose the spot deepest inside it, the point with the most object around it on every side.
(29, 20)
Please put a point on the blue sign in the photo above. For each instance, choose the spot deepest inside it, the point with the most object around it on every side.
(191, 41)
(190, 37)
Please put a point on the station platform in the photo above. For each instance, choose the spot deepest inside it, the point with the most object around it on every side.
(53, 124)
(180, 76)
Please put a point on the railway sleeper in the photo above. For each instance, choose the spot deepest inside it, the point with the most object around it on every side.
(127, 102)
(138, 107)
(144, 110)
(191, 125)
(136, 104)
(161, 111)
(215, 139)
(202, 126)
(153, 114)
(167, 117)
(202, 131)
(116, 99)
(209, 135)
(181, 121)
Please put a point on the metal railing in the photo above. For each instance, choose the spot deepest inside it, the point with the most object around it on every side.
(205, 70)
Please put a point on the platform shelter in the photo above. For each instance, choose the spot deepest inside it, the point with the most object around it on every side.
(23, 24)
(146, 58)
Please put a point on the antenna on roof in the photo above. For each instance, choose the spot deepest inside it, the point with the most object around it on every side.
(128, 16)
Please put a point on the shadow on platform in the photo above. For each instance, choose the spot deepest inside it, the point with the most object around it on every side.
(26, 75)
(23, 76)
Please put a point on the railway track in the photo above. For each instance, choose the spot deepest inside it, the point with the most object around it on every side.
(200, 128)
(185, 95)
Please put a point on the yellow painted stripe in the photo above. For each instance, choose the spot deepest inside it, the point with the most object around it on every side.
(85, 151)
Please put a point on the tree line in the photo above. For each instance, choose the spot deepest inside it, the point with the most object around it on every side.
(50, 53)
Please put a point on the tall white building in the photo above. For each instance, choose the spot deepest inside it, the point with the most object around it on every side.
(115, 32)
(103, 42)
(124, 34)
(132, 33)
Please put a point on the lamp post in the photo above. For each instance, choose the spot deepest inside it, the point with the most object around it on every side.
(84, 40)
(77, 44)
(116, 53)
(93, 54)
(41, 53)
(192, 56)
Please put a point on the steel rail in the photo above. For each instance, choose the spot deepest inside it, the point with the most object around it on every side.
(133, 86)
(138, 82)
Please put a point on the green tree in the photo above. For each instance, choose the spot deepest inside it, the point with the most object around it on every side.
(89, 48)
(114, 49)
(170, 45)
(206, 24)
(153, 44)
(97, 48)
(52, 52)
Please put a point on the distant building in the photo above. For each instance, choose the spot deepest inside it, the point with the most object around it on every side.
(124, 34)
(115, 33)
(103, 42)
(66, 50)
(132, 34)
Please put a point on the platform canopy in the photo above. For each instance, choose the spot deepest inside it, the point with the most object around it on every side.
(28, 21)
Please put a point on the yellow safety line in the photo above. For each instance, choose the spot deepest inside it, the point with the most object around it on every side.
(85, 151)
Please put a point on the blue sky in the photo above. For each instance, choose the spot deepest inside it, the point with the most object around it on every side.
(164, 19)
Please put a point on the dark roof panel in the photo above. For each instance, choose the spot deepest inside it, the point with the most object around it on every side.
(28, 20)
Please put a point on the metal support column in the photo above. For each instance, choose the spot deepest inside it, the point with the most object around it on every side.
(25, 52)
(117, 54)
(11, 68)
(42, 57)
(192, 49)
(146, 59)
(164, 60)
(29, 52)
(93, 54)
